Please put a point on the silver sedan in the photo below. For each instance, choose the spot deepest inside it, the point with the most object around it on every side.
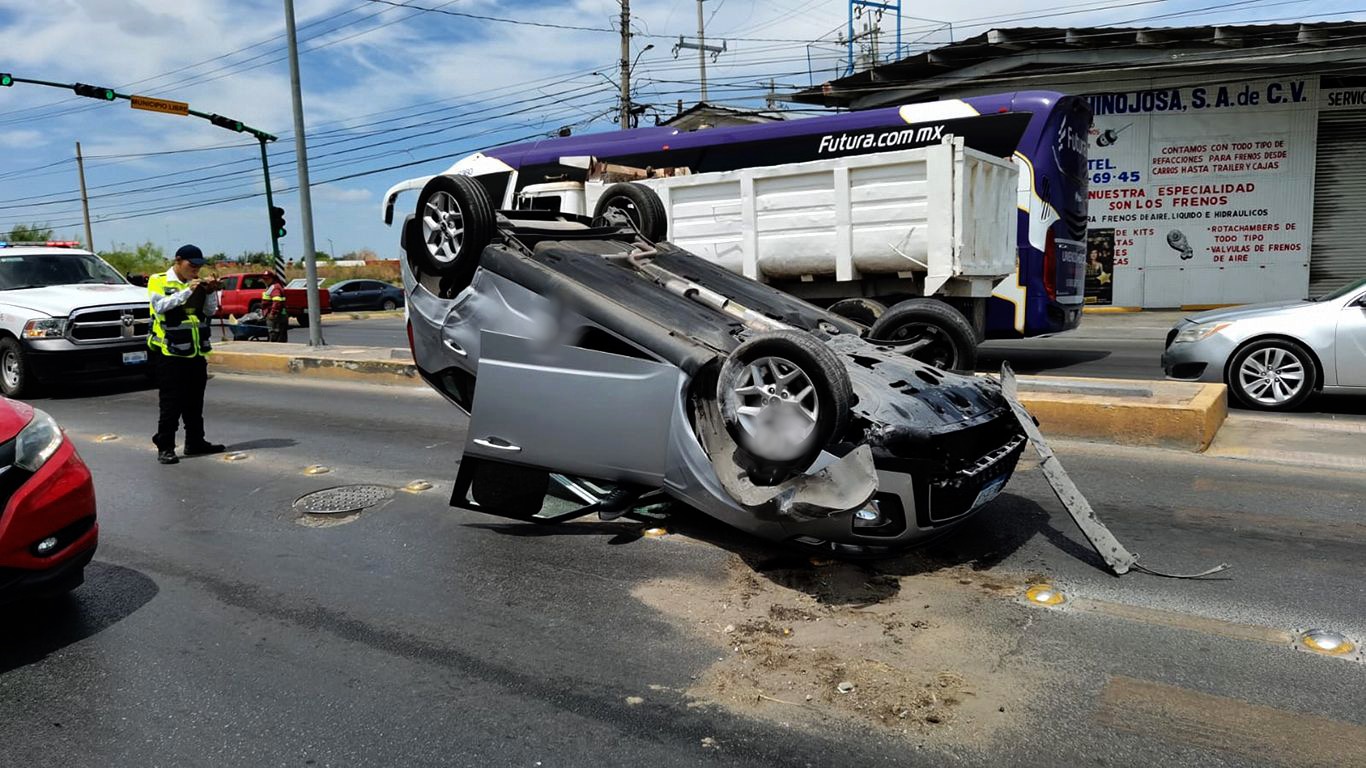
(1274, 356)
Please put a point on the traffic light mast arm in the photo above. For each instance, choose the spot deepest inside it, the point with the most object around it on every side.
(109, 94)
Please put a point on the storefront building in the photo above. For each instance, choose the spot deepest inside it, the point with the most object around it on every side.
(1227, 164)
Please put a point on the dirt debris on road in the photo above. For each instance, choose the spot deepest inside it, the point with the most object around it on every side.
(931, 655)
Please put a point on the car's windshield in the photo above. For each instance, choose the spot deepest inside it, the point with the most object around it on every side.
(1343, 291)
(43, 269)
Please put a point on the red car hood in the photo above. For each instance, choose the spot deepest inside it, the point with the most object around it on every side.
(14, 416)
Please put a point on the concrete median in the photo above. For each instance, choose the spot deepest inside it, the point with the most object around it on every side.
(372, 365)
(1164, 414)
(1142, 413)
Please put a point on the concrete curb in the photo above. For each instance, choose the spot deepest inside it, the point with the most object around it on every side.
(1141, 413)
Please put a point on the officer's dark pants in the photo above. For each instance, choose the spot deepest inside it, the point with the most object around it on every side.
(277, 327)
(181, 381)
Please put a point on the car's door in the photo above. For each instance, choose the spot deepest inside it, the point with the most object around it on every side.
(572, 410)
(368, 295)
(341, 295)
(1350, 342)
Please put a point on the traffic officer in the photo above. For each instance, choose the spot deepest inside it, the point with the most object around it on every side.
(182, 305)
(273, 306)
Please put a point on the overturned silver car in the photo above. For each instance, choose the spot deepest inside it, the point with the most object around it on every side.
(603, 366)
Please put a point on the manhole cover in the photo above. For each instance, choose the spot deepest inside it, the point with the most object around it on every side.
(343, 499)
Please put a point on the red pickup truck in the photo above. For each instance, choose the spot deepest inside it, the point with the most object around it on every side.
(242, 293)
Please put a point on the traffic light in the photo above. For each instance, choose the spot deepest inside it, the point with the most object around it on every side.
(226, 122)
(6, 79)
(277, 221)
(93, 91)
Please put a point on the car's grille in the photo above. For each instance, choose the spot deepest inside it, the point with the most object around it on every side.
(105, 324)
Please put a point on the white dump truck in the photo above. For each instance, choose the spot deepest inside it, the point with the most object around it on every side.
(909, 243)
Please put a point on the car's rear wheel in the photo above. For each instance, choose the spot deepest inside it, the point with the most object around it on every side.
(15, 376)
(640, 204)
(947, 338)
(1272, 375)
(784, 396)
(456, 221)
(389, 305)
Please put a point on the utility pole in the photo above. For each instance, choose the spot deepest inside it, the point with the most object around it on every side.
(625, 64)
(85, 201)
(702, 49)
(315, 337)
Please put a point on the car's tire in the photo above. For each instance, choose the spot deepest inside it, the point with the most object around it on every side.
(953, 342)
(388, 305)
(455, 221)
(1272, 375)
(302, 319)
(860, 310)
(16, 378)
(783, 381)
(640, 204)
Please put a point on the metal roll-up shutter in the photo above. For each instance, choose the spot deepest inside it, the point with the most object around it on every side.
(1339, 247)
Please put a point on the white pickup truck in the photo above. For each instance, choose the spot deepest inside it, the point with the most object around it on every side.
(65, 314)
(909, 243)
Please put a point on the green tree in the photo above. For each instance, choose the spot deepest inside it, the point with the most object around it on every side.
(28, 233)
(143, 259)
(256, 257)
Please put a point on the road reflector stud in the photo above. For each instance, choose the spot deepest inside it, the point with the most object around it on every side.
(1045, 594)
(316, 469)
(417, 486)
(107, 438)
(235, 456)
(1327, 642)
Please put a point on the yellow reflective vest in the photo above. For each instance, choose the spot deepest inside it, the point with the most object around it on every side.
(179, 332)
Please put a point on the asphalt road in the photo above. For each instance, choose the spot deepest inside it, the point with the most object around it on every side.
(216, 628)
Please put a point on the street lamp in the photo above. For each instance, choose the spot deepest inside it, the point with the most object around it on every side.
(331, 249)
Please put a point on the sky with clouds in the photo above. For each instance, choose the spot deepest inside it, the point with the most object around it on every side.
(411, 83)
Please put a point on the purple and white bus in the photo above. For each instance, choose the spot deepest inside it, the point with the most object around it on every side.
(1046, 134)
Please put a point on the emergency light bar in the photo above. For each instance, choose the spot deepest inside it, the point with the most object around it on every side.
(48, 244)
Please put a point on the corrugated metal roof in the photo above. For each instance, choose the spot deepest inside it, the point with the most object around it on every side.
(1018, 49)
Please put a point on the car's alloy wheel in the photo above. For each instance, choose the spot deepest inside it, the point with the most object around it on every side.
(453, 222)
(1272, 377)
(443, 227)
(389, 305)
(777, 407)
(783, 395)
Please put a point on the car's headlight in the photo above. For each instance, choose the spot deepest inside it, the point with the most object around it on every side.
(47, 328)
(37, 442)
(1200, 332)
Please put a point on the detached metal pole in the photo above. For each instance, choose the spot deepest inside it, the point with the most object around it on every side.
(315, 336)
(85, 201)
